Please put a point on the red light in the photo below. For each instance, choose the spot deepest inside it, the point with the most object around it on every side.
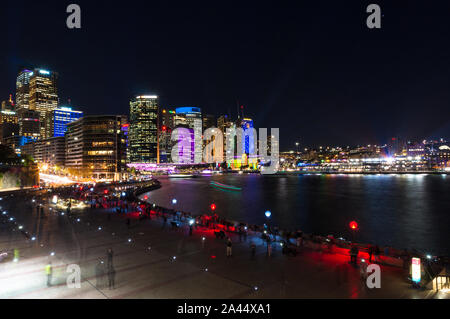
(213, 206)
(353, 225)
(145, 197)
(163, 127)
(106, 191)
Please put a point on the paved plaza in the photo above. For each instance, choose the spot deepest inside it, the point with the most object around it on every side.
(153, 261)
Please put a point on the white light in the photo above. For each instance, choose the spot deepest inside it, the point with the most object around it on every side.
(52, 254)
(33, 238)
(428, 256)
(99, 228)
(191, 222)
(174, 201)
(206, 269)
(268, 213)
(44, 72)
(15, 260)
(256, 287)
(78, 220)
(20, 227)
(174, 257)
(129, 240)
(203, 238)
(147, 97)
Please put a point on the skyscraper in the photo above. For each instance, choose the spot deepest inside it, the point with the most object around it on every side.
(191, 118)
(143, 131)
(166, 126)
(23, 89)
(43, 96)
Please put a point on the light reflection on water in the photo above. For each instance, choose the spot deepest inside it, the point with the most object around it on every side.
(405, 211)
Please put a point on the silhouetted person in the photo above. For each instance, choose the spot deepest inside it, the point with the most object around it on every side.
(110, 255)
(253, 249)
(111, 277)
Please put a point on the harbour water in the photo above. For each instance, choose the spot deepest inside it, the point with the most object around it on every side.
(402, 211)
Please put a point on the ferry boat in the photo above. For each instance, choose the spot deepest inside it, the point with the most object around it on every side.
(181, 175)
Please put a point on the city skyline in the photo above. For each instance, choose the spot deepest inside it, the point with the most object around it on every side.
(287, 70)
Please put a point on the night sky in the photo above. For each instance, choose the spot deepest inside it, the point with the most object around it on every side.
(311, 68)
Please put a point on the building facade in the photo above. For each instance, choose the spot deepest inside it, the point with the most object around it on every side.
(43, 96)
(58, 119)
(96, 147)
(191, 118)
(143, 131)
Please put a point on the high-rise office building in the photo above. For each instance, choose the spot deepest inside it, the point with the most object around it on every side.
(43, 96)
(166, 126)
(23, 89)
(58, 119)
(191, 118)
(29, 123)
(96, 147)
(143, 130)
(209, 121)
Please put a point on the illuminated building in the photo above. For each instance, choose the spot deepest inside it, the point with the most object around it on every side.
(50, 151)
(23, 89)
(29, 123)
(58, 119)
(223, 123)
(43, 96)
(191, 118)
(96, 147)
(143, 131)
(166, 126)
(209, 121)
(17, 142)
(249, 158)
(9, 125)
(8, 105)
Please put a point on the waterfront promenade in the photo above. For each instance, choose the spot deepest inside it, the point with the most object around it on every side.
(152, 261)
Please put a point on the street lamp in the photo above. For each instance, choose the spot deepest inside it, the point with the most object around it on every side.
(174, 201)
(353, 227)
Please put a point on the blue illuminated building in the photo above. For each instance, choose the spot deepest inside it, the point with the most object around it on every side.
(59, 119)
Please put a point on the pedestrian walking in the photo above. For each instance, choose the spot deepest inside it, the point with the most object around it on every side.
(253, 249)
(164, 221)
(99, 274)
(111, 277)
(363, 270)
(377, 253)
(229, 245)
(370, 252)
(110, 255)
(269, 249)
(16, 254)
(49, 273)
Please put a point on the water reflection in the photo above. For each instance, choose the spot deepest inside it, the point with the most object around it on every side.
(404, 211)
